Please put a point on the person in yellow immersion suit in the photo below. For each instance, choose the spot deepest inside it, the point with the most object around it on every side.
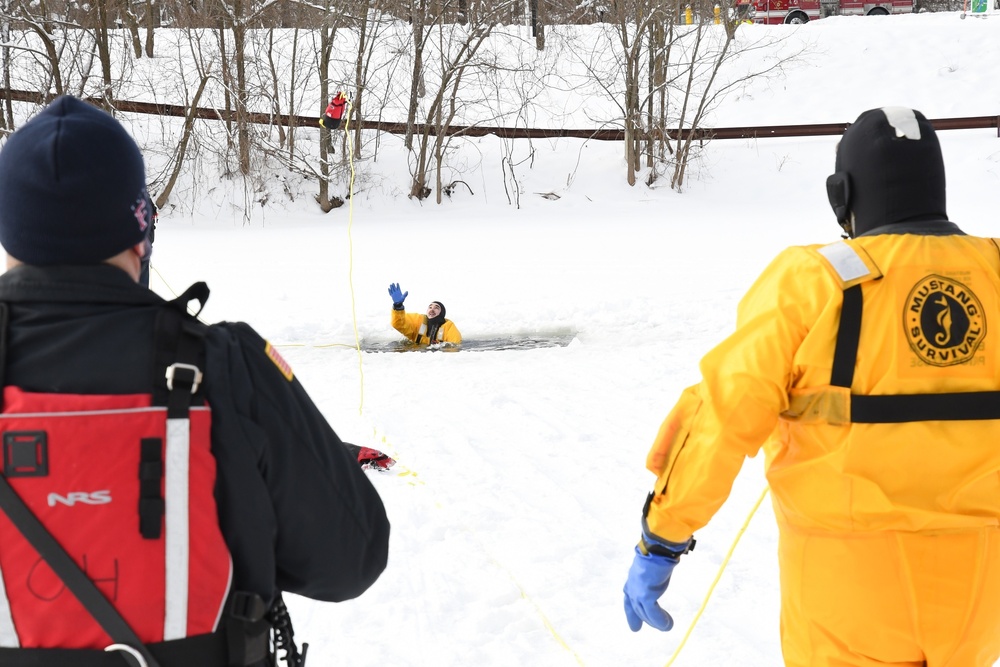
(869, 371)
(428, 329)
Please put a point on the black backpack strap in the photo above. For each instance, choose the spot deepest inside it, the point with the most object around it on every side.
(197, 292)
(179, 354)
(125, 640)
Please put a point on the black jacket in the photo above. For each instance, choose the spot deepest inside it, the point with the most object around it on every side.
(295, 508)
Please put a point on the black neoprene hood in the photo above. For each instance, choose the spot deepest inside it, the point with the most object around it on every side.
(892, 159)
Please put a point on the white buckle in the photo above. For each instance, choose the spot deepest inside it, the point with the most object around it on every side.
(170, 375)
(132, 656)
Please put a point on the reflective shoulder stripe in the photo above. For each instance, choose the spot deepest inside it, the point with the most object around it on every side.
(849, 263)
(846, 261)
(178, 551)
(8, 634)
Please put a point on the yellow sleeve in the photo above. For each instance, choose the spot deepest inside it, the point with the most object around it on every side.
(730, 414)
(407, 324)
(450, 333)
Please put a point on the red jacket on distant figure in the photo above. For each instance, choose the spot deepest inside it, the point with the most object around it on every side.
(334, 112)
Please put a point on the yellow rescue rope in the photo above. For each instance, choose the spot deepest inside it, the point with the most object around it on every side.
(722, 568)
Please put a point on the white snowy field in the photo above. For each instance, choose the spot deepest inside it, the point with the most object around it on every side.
(521, 476)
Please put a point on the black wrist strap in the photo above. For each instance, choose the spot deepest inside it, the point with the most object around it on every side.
(649, 547)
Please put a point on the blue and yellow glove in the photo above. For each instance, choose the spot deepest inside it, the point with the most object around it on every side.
(648, 579)
(398, 296)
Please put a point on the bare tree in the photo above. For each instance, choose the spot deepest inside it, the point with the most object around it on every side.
(515, 82)
(419, 17)
(7, 113)
(708, 48)
(327, 35)
(152, 23)
(104, 50)
(182, 146)
(664, 77)
(368, 27)
(457, 56)
(240, 20)
(44, 28)
(131, 22)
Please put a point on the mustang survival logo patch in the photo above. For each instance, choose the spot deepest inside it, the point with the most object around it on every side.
(944, 321)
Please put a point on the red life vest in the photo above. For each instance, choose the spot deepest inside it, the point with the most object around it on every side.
(334, 112)
(335, 109)
(126, 488)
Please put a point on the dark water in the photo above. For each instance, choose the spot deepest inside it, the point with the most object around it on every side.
(519, 342)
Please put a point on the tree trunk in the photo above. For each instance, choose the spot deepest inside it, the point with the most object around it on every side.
(132, 23)
(52, 54)
(292, 102)
(327, 34)
(152, 23)
(7, 117)
(168, 187)
(275, 96)
(104, 52)
(239, 58)
(416, 78)
(359, 85)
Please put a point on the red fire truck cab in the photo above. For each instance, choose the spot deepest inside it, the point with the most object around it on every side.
(775, 12)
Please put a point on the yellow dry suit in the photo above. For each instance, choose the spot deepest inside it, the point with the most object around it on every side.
(416, 328)
(871, 369)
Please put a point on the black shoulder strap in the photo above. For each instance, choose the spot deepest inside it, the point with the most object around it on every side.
(197, 292)
(70, 573)
(848, 334)
(178, 363)
(179, 353)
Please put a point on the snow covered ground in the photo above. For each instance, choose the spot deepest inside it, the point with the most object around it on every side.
(521, 473)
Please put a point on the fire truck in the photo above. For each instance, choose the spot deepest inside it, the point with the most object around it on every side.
(775, 12)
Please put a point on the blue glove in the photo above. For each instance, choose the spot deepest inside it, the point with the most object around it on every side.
(647, 581)
(398, 295)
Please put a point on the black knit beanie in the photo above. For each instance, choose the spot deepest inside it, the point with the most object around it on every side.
(72, 187)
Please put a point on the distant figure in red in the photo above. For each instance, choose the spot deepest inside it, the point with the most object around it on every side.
(334, 111)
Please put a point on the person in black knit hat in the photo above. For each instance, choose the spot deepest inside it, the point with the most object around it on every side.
(198, 467)
(429, 329)
(72, 189)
